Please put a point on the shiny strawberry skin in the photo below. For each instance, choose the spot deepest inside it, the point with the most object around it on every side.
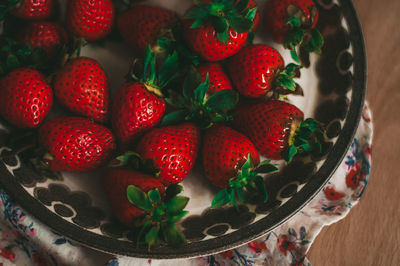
(82, 86)
(115, 183)
(142, 25)
(135, 111)
(89, 19)
(26, 97)
(254, 69)
(77, 144)
(203, 41)
(268, 125)
(218, 79)
(43, 34)
(173, 150)
(33, 9)
(224, 152)
(276, 13)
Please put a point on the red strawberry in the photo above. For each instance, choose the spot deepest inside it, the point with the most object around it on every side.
(138, 105)
(277, 129)
(224, 152)
(89, 19)
(82, 86)
(292, 22)
(257, 69)
(33, 9)
(142, 25)
(252, 4)
(76, 144)
(43, 34)
(135, 110)
(231, 162)
(173, 150)
(218, 79)
(212, 33)
(140, 201)
(116, 182)
(26, 98)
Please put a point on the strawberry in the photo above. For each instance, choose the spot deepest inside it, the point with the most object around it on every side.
(29, 9)
(216, 30)
(142, 25)
(26, 97)
(277, 129)
(218, 79)
(82, 86)
(140, 201)
(115, 183)
(89, 19)
(292, 22)
(258, 70)
(138, 106)
(75, 144)
(198, 103)
(43, 34)
(231, 162)
(173, 150)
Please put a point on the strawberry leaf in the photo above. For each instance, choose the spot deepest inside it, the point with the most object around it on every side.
(174, 118)
(176, 204)
(315, 43)
(151, 237)
(137, 197)
(154, 196)
(222, 198)
(195, 13)
(125, 159)
(220, 24)
(293, 21)
(259, 181)
(192, 80)
(172, 191)
(172, 235)
(294, 55)
(201, 90)
(223, 37)
(223, 100)
(177, 217)
(168, 70)
(12, 62)
(241, 5)
(265, 167)
(241, 24)
(251, 14)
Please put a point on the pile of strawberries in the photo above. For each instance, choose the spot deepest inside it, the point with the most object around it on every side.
(197, 85)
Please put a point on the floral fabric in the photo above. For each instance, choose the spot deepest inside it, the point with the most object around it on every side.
(26, 241)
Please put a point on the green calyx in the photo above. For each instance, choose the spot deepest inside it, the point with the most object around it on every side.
(223, 14)
(155, 79)
(194, 106)
(304, 139)
(15, 55)
(247, 185)
(285, 83)
(133, 160)
(174, 41)
(161, 215)
(6, 6)
(301, 34)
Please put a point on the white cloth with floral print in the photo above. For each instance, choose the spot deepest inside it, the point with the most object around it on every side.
(26, 241)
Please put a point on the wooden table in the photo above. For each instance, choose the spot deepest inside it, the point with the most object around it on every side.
(370, 234)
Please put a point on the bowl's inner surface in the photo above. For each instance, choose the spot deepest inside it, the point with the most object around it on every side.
(79, 202)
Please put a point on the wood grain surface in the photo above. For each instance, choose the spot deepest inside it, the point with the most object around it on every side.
(370, 234)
